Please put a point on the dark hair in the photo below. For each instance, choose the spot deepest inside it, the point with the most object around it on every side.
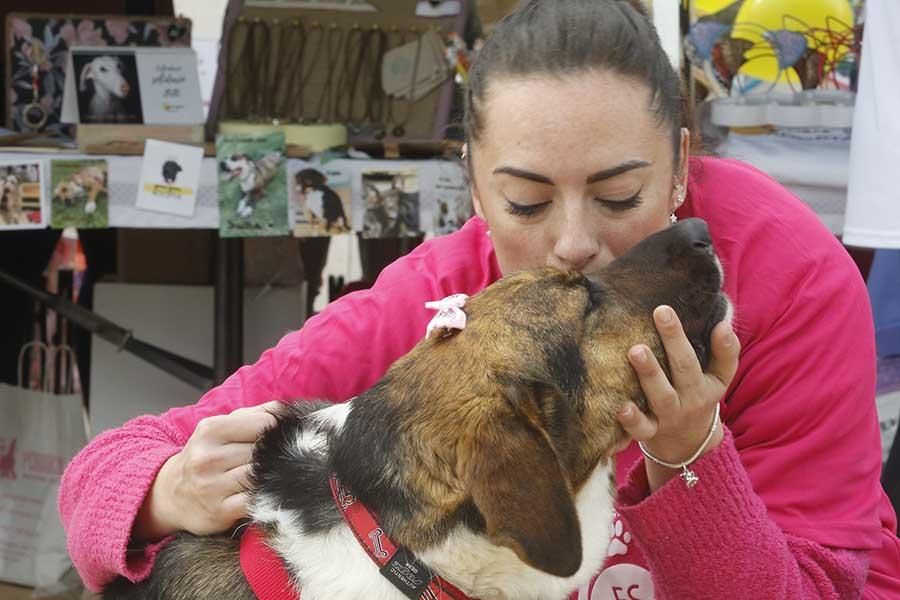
(560, 37)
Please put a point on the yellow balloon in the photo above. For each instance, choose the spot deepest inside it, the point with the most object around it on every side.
(708, 7)
(756, 17)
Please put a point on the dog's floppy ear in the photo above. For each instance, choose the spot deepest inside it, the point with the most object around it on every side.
(86, 73)
(517, 484)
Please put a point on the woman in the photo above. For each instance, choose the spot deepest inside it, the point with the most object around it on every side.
(576, 151)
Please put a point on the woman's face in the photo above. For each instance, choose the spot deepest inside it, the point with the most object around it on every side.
(571, 172)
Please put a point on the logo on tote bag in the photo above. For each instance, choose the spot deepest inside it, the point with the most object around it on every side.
(8, 461)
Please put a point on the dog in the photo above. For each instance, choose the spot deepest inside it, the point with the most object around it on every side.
(110, 89)
(87, 183)
(253, 175)
(170, 171)
(322, 202)
(486, 453)
(11, 209)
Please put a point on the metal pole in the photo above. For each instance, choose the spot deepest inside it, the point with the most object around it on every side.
(228, 354)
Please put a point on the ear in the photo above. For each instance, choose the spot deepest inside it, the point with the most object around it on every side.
(476, 200)
(517, 484)
(86, 73)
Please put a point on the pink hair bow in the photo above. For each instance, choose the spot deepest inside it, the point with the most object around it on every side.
(450, 314)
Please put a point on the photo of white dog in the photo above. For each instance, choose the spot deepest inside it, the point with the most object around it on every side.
(107, 87)
(252, 175)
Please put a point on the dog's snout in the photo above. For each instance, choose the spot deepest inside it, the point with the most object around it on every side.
(696, 233)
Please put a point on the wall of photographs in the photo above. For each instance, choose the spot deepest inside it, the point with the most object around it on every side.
(248, 190)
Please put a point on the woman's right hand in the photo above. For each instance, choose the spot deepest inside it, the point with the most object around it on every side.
(202, 488)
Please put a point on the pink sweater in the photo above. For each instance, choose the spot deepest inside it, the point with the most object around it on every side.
(790, 504)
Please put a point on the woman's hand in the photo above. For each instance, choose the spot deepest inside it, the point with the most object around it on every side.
(201, 489)
(683, 408)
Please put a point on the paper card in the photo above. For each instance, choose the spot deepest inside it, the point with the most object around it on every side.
(391, 203)
(79, 194)
(22, 195)
(153, 86)
(170, 176)
(321, 197)
(253, 195)
(452, 203)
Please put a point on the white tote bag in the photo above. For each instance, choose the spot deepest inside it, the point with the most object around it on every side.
(40, 432)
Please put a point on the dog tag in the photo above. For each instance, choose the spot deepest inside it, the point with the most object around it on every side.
(406, 573)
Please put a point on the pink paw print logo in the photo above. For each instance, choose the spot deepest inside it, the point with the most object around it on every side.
(619, 538)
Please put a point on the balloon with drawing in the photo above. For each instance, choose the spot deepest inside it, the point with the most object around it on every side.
(741, 47)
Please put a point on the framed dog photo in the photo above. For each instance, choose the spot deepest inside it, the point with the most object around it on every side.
(22, 195)
(391, 203)
(321, 199)
(80, 194)
(253, 194)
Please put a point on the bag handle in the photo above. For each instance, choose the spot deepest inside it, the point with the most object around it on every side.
(38, 347)
(66, 352)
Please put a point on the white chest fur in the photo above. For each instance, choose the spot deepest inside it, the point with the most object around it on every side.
(333, 565)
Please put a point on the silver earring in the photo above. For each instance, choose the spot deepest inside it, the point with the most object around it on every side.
(673, 219)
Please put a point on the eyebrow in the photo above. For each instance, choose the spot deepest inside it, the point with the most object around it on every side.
(598, 176)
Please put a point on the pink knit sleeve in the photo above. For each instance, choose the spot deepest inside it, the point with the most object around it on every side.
(101, 492)
(716, 540)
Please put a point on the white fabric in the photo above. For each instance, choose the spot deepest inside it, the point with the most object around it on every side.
(873, 201)
(814, 168)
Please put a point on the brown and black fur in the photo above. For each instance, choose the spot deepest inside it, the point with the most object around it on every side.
(494, 428)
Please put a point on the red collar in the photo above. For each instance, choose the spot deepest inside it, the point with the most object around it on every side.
(264, 570)
(397, 564)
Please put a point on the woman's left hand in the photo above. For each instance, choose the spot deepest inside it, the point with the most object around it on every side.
(682, 408)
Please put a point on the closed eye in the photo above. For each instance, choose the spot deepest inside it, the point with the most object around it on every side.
(621, 205)
(525, 210)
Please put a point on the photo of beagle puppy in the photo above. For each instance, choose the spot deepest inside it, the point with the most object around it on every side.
(321, 206)
(487, 453)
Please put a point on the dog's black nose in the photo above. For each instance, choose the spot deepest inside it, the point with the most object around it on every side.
(696, 233)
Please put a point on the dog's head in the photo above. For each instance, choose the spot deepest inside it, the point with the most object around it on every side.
(236, 166)
(519, 408)
(106, 72)
(67, 190)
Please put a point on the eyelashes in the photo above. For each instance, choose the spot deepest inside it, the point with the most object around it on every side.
(531, 210)
(525, 210)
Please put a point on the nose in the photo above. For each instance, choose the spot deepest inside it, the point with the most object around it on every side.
(576, 245)
(696, 233)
